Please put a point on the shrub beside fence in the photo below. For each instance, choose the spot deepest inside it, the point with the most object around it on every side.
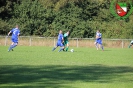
(73, 42)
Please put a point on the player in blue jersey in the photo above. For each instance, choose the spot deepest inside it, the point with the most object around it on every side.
(15, 34)
(59, 42)
(131, 43)
(98, 40)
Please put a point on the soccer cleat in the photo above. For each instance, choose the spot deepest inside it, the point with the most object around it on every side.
(10, 50)
(67, 49)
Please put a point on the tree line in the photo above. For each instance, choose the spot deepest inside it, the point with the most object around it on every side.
(46, 17)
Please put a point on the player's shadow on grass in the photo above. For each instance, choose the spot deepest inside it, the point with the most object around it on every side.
(54, 76)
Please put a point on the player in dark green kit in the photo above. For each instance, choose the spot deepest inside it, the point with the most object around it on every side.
(66, 42)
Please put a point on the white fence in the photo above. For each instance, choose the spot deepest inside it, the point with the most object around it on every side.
(73, 42)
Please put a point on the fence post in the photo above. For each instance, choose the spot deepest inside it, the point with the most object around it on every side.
(5, 41)
(30, 41)
(122, 44)
(77, 43)
(54, 41)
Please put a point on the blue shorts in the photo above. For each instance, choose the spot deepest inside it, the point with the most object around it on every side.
(99, 41)
(15, 40)
(59, 44)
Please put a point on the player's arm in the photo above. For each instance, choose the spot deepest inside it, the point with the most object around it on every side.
(9, 33)
(97, 36)
(18, 34)
(62, 39)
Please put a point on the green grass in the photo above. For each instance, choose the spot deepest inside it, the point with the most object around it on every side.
(39, 67)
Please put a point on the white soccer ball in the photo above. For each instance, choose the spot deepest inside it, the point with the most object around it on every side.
(72, 50)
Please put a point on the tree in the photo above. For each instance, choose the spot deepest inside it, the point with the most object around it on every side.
(47, 17)
(31, 15)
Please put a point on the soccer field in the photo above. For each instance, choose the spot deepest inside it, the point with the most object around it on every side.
(39, 67)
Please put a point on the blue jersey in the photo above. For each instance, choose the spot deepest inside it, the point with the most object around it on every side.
(15, 33)
(99, 39)
(99, 35)
(60, 37)
(60, 40)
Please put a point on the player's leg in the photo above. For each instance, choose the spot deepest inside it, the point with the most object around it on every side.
(57, 44)
(55, 47)
(64, 46)
(96, 44)
(61, 47)
(67, 47)
(101, 46)
(10, 48)
(14, 44)
(100, 43)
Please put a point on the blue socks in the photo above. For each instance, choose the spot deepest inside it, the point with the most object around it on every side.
(102, 47)
(53, 49)
(12, 46)
(96, 45)
(61, 49)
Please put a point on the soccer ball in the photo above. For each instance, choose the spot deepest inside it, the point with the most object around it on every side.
(72, 50)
